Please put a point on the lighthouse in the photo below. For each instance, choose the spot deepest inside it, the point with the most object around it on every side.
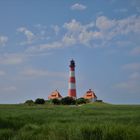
(72, 81)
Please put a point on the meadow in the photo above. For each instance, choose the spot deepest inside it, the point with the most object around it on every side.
(94, 121)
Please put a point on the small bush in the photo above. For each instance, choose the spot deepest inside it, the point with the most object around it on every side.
(68, 101)
(81, 101)
(39, 101)
(56, 101)
(29, 102)
(99, 100)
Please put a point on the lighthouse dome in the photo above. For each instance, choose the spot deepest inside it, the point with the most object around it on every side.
(72, 63)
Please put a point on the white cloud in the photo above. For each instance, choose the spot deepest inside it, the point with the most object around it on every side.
(78, 33)
(127, 25)
(111, 28)
(132, 66)
(104, 30)
(39, 72)
(42, 32)
(29, 35)
(11, 59)
(3, 40)
(50, 46)
(54, 45)
(2, 73)
(93, 35)
(40, 26)
(130, 86)
(73, 26)
(34, 72)
(69, 40)
(135, 51)
(56, 29)
(103, 23)
(78, 6)
(123, 10)
(86, 36)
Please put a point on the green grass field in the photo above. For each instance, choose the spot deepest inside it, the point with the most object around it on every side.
(96, 121)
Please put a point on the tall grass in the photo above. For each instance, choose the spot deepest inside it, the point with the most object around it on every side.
(88, 122)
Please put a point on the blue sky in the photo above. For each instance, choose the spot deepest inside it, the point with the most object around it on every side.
(39, 38)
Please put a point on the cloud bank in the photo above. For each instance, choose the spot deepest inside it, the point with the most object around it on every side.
(78, 6)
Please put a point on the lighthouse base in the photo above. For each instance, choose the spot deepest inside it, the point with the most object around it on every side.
(72, 93)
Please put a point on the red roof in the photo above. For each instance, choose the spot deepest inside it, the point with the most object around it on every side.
(55, 95)
(89, 94)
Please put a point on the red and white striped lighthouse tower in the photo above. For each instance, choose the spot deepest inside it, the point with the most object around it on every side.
(72, 81)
